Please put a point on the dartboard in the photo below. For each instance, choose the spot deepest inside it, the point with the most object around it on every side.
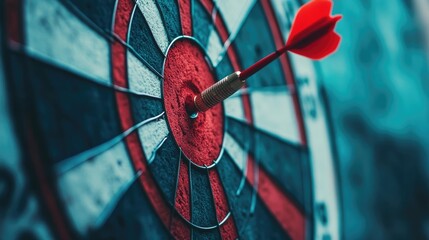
(96, 94)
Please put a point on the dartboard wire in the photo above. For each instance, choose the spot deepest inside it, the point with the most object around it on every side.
(67, 164)
(257, 161)
(233, 35)
(256, 177)
(247, 215)
(213, 198)
(114, 201)
(35, 56)
(214, 163)
(243, 179)
(173, 207)
(155, 150)
(109, 35)
(190, 197)
(189, 222)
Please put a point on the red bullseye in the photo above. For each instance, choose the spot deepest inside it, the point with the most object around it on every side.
(186, 73)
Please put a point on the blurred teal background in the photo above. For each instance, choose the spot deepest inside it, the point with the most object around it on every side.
(377, 88)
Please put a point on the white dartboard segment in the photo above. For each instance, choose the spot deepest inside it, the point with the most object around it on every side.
(214, 46)
(151, 136)
(141, 79)
(234, 108)
(54, 34)
(237, 153)
(88, 188)
(281, 123)
(235, 12)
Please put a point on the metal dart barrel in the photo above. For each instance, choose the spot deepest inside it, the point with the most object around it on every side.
(216, 93)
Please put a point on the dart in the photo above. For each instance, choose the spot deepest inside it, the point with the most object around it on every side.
(312, 35)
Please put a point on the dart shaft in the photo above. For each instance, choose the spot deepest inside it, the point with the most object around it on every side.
(215, 93)
(262, 63)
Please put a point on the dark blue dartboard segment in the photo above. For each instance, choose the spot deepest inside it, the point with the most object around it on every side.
(288, 164)
(98, 11)
(165, 168)
(224, 68)
(202, 23)
(248, 226)
(203, 212)
(252, 45)
(144, 107)
(171, 17)
(133, 218)
(141, 39)
(74, 113)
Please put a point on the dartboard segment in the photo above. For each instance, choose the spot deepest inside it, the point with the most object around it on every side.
(53, 33)
(246, 206)
(141, 39)
(165, 166)
(284, 161)
(203, 208)
(205, 32)
(185, 12)
(150, 10)
(133, 217)
(106, 173)
(141, 79)
(170, 14)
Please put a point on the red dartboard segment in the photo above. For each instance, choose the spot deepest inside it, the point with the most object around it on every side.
(182, 203)
(119, 65)
(287, 70)
(185, 10)
(229, 229)
(291, 219)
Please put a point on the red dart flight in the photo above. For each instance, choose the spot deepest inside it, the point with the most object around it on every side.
(312, 35)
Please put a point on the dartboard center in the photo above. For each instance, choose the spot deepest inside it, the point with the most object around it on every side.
(186, 73)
